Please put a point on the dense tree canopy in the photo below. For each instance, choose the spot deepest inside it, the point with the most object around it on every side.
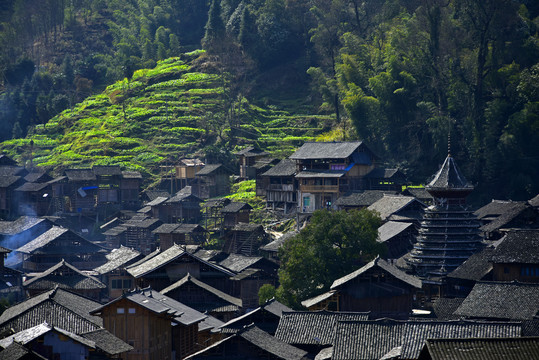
(333, 244)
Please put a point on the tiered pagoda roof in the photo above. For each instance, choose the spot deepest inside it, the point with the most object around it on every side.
(449, 232)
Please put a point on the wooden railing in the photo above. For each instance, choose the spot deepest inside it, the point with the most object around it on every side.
(319, 188)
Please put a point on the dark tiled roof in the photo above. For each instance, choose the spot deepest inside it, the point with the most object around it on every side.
(57, 307)
(534, 201)
(80, 175)
(445, 307)
(500, 213)
(157, 201)
(154, 194)
(37, 175)
(183, 195)
(312, 327)
(320, 174)
(16, 351)
(143, 223)
(131, 175)
(519, 246)
(325, 150)
(415, 333)
(317, 299)
(276, 308)
(13, 171)
(48, 237)
(115, 231)
(210, 168)
(117, 258)
(235, 207)
(475, 267)
(285, 167)
(251, 151)
(8, 180)
(365, 198)
(366, 339)
(6, 160)
(248, 227)
(21, 224)
(31, 187)
(208, 255)
(107, 342)
(209, 323)
(217, 202)
(262, 340)
(65, 276)
(391, 204)
(166, 229)
(513, 348)
(106, 170)
(190, 279)
(419, 193)
(159, 304)
(238, 262)
(391, 229)
(449, 177)
(501, 300)
(28, 335)
(159, 259)
(276, 244)
(384, 265)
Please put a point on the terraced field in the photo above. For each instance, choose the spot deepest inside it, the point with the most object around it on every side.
(158, 116)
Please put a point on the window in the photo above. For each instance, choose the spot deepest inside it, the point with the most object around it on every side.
(132, 311)
(120, 311)
(306, 201)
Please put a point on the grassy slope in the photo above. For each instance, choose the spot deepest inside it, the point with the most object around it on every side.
(165, 119)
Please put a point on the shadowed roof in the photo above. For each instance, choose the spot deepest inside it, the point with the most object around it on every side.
(325, 150)
(449, 177)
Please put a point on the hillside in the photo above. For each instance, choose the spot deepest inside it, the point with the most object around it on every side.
(158, 116)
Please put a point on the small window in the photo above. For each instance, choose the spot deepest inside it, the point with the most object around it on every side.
(120, 310)
(132, 311)
(306, 201)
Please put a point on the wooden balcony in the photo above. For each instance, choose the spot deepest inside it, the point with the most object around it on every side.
(319, 188)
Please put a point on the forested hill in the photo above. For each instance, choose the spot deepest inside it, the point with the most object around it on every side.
(400, 75)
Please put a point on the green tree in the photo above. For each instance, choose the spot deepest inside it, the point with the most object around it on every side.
(332, 245)
(215, 28)
(265, 293)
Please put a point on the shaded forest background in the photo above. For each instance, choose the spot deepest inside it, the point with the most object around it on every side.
(400, 75)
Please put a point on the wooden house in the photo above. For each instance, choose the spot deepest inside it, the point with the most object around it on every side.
(157, 326)
(420, 193)
(59, 243)
(480, 348)
(250, 343)
(33, 199)
(360, 199)
(57, 307)
(517, 257)
(280, 186)
(234, 213)
(130, 189)
(51, 342)
(211, 181)
(65, 276)
(186, 171)
(8, 184)
(265, 317)
(204, 298)
(244, 239)
(181, 234)
(162, 268)
(271, 249)
(494, 300)
(10, 279)
(115, 237)
(398, 207)
(398, 237)
(18, 232)
(213, 217)
(478, 267)
(377, 287)
(327, 170)
(251, 273)
(499, 215)
(385, 179)
(312, 330)
(113, 272)
(182, 207)
(247, 159)
(80, 188)
(138, 234)
(261, 167)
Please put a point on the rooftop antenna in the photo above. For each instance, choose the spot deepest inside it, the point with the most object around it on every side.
(449, 143)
